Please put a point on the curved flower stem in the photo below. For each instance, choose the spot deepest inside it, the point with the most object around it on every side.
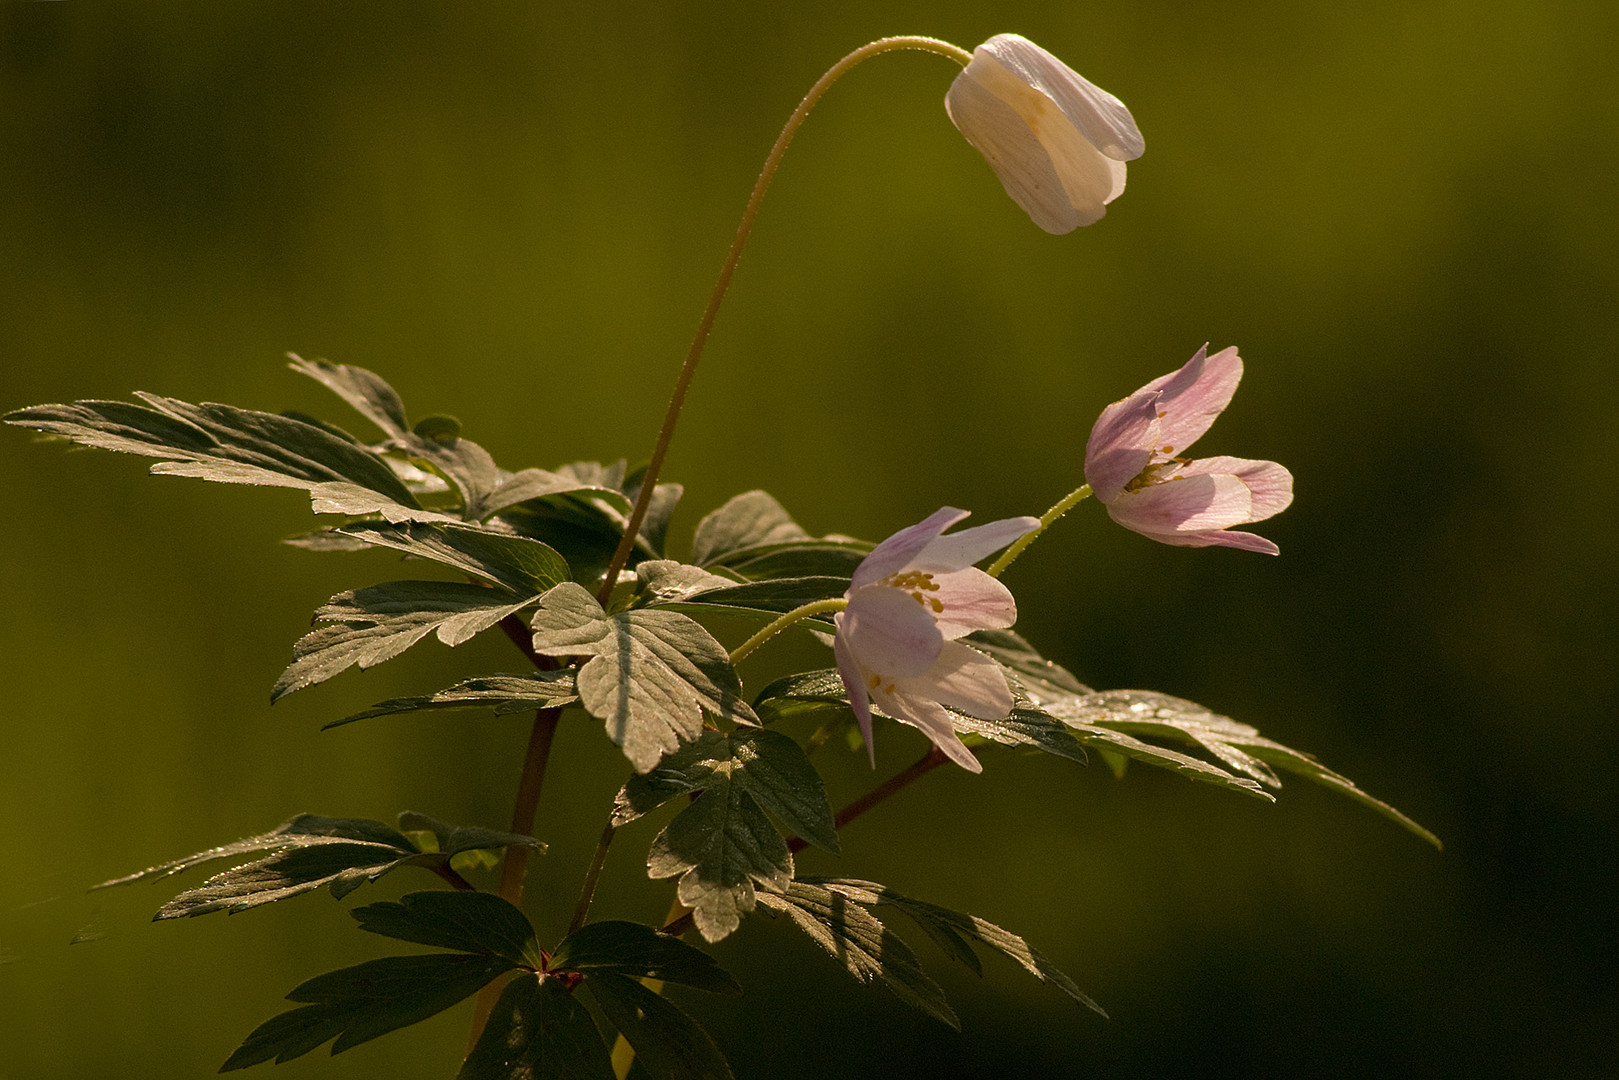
(649, 480)
(1065, 504)
(814, 607)
(587, 891)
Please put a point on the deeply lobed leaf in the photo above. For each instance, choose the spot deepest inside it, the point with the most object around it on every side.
(650, 676)
(626, 948)
(307, 853)
(357, 1004)
(538, 1031)
(868, 950)
(668, 1044)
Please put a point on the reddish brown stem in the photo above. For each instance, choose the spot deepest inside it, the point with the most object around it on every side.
(921, 767)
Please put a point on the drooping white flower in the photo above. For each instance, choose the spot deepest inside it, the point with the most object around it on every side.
(1057, 141)
(909, 600)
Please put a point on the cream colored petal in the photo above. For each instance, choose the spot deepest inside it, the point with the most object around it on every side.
(998, 131)
(1101, 119)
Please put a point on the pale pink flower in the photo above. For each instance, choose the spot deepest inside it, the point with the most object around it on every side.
(1130, 462)
(1057, 142)
(909, 600)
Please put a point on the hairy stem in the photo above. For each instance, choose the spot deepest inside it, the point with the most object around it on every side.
(814, 607)
(706, 323)
(1065, 504)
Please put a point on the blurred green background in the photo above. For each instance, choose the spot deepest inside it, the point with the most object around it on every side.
(1403, 213)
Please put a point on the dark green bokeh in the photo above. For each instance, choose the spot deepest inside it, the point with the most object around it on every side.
(1403, 215)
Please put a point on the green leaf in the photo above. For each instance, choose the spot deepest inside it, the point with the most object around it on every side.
(651, 674)
(817, 695)
(356, 1004)
(585, 506)
(768, 765)
(471, 922)
(723, 844)
(951, 928)
(221, 443)
(366, 391)
(435, 441)
(755, 536)
(749, 520)
(719, 846)
(1024, 726)
(665, 581)
(516, 562)
(305, 854)
(538, 1031)
(867, 949)
(668, 1044)
(455, 839)
(1241, 748)
(378, 623)
(820, 695)
(766, 599)
(626, 948)
(503, 693)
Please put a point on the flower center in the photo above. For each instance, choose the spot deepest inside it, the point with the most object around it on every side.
(918, 585)
(1156, 473)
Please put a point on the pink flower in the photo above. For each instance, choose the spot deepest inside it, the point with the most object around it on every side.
(1130, 462)
(1057, 142)
(908, 602)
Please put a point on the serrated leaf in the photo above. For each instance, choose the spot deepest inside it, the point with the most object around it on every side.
(221, 443)
(820, 558)
(435, 441)
(768, 765)
(723, 844)
(867, 949)
(502, 693)
(950, 928)
(356, 1004)
(651, 674)
(516, 562)
(538, 1031)
(378, 623)
(305, 854)
(754, 535)
(631, 949)
(765, 599)
(367, 392)
(719, 846)
(1025, 726)
(471, 922)
(455, 839)
(746, 521)
(821, 696)
(665, 581)
(668, 1044)
(1240, 747)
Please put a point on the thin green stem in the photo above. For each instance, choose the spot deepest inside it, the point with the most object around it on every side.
(815, 607)
(1065, 504)
(587, 892)
(773, 161)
